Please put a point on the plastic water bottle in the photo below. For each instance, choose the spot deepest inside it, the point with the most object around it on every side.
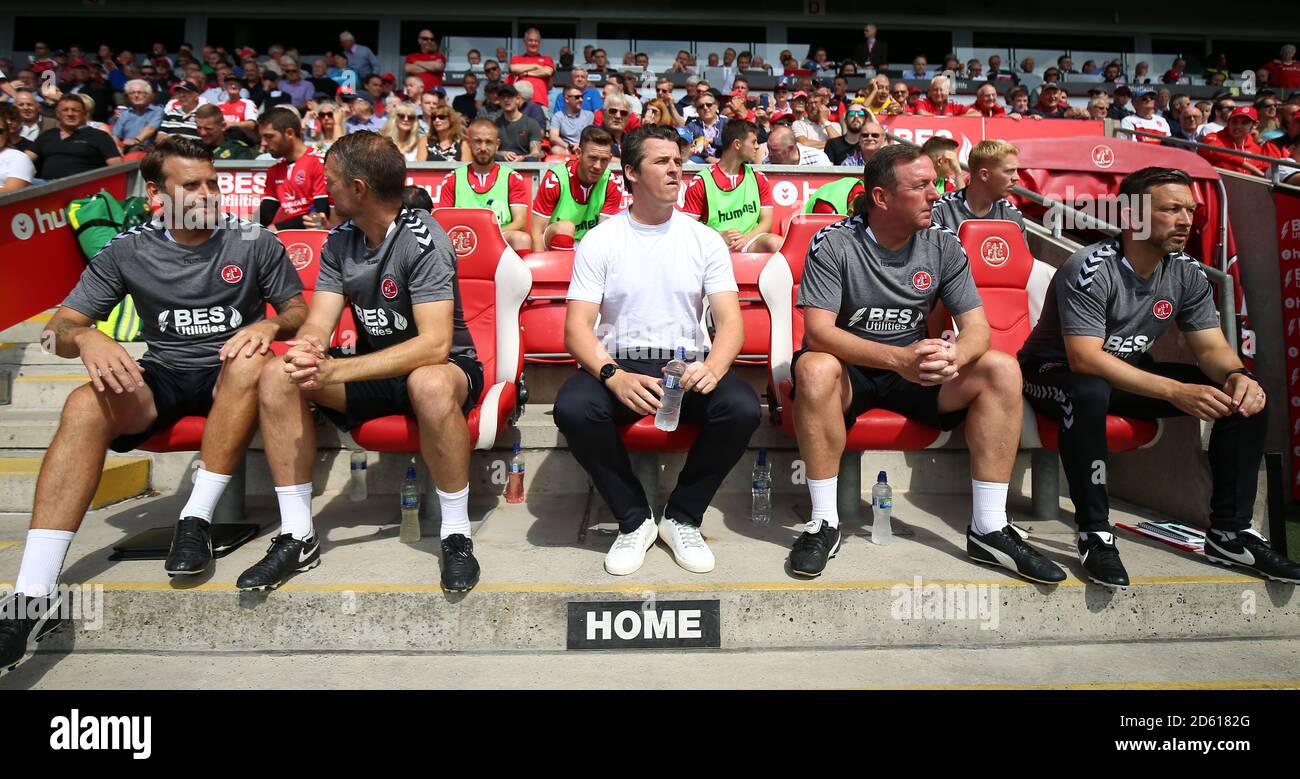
(761, 507)
(670, 408)
(882, 503)
(410, 532)
(515, 479)
(357, 486)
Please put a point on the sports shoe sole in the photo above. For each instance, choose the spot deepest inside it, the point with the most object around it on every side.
(1107, 585)
(269, 587)
(812, 575)
(188, 573)
(471, 586)
(1251, 568)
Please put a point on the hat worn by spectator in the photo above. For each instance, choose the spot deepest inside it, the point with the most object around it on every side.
(388, 77)
(1144, 92)
(800, 95)
(1123, 90)
(78, 64)
(348, 97)
(1246, 111)
(246, 52)
(184, 86)
(232, 77)
(439, 91)
(507, 90)
(781, 88)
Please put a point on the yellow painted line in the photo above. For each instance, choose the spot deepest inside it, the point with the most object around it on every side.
(1195, 684)
(7, 544)
(42, 317)
(79, 377)
(123, 477)
(634, 589)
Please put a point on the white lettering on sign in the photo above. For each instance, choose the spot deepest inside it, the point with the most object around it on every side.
(629, 624)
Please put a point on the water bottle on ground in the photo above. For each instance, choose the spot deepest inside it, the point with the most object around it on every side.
(515, 479)
(761, 507)
(357, 485)
(882, 503)
(670, 408)
(410, 532)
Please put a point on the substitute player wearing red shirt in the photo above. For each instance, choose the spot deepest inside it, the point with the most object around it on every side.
(295, 186)
(428, 63)
(936, 102)
(484, 183)
(732, 197)
(534, 67)
(574, 197)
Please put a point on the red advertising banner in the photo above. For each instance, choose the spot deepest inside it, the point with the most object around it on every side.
(1013, 130)
(1288, 234)
(40, 259)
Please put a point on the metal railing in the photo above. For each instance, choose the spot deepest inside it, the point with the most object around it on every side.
(1275, 163)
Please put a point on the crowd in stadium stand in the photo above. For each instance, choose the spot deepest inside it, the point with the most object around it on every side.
(70, 110)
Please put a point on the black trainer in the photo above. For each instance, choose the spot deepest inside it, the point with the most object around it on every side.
(191, 548)
(23, 622)
(287, 555)
(1250, 550)
(1005, 547)
(1101, 560)
(814, 548)
(459, 568)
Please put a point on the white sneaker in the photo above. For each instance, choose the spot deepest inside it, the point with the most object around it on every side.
(628, 552)
(689, 549)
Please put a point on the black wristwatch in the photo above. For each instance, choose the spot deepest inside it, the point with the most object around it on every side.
(607, 371)
(1243, 372)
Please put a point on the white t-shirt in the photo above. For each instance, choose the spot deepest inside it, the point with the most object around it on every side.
(1207, 128)
(650, 282)
(1155, 125)
(807, 129)
(16, 165)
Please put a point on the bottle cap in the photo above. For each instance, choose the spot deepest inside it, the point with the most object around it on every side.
(515, 448)
(681, 353)
(881, 478)
(762, 457)
(410, 471)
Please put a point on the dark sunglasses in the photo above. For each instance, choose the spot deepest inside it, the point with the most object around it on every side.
(426, 38)
(707, 105)
(573, 97)
(873, 135)
(616, 112)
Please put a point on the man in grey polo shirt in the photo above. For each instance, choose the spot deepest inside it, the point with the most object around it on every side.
(1087, 358)
(869, 285)
(567, 125)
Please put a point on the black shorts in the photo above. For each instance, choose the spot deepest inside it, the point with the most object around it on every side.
(880, 388)
(176, 394)
(383, 397)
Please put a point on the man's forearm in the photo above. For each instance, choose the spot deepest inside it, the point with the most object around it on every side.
(727, 343)
(66, 335)
(972, 343)
(1218, 363)
(395, 361)
(289, 318)
(1123, 376)
(854, 350)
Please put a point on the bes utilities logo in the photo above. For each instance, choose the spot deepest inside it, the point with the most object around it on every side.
(76, 731)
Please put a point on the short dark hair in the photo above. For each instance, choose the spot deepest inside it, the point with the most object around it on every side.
(280, 120)
(882, 169)
(938, 144)
(209, 111)
(634, 143)
(151, 167)
(597, 135)
(416, 197)
(737, 130)
(70, 97)
(372, 158)
(1140, 182)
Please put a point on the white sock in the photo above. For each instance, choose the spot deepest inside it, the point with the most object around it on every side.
(208, 487)
(295, 510)
(825, 500)
(988, 506)
(455, 512)
(42, 561)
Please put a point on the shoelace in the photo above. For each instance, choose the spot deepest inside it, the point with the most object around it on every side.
(689, 536)
(628, 540)
(190, 539)
(458, 545)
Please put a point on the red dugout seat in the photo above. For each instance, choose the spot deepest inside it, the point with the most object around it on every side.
(493, 284)
(1005, 272)
(543, 313)
(779, 283)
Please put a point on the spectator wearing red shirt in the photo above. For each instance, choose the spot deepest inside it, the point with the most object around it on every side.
(1238, 136)
(481, 175)
(936, 102)
(296, 184)
(533, 66)
(428, 63)
(901, 92)
(739, 153)
(986, 103)
(548, 230)
(1283, 72)
(240, 112)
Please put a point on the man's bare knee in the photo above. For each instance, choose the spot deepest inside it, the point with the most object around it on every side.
(818, 376)
(1001, 372)
(273, 385)
(244, 373)
(434, 392)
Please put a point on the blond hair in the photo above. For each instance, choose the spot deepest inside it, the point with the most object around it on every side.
(986, 153)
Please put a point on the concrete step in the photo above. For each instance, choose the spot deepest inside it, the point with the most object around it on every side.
(1257, 664)
(31, 354)
(123, 477)
(28, 332)
(46, 386)
(374, 593)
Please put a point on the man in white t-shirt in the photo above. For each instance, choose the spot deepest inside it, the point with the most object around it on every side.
(1145, 119)
(646, 272)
